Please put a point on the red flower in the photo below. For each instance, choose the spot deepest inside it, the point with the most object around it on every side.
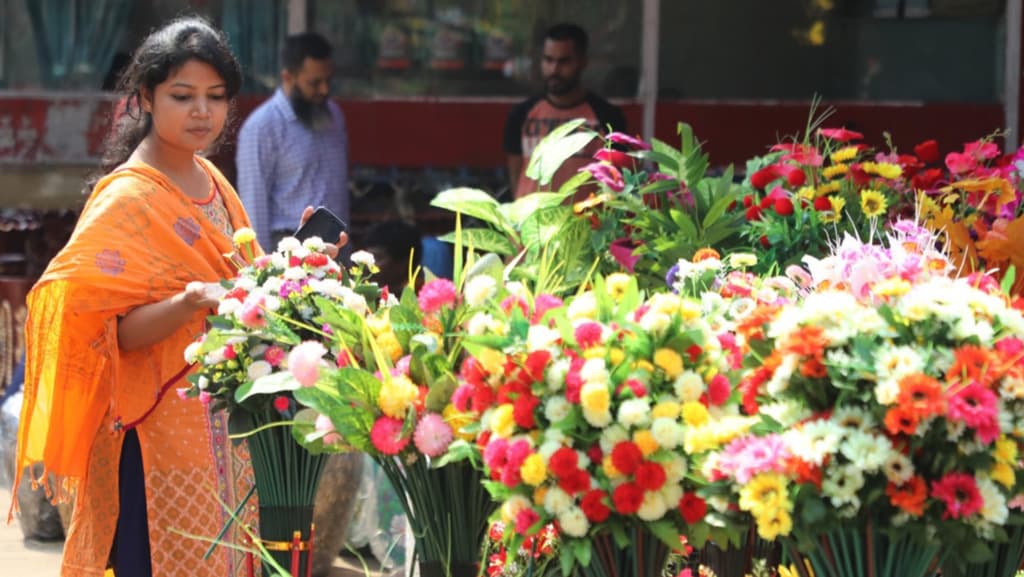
(522, 411)
(718, 390)
(692, 508)
(765, 176)
(617, 158)
(593, 505)
(281, 403)
(753, 214)
(588, 334)
(927, 151)
(315, 260)
(483, 398)
(575, 482)
(626, 457)
(526, 518)
(535, 364)
(748, 201)
(784, 206)
(650, 476)
(796, 177)
(563, 462)
(473, 372)
(840, 134)
(960, 493)
(594, 453)
(496, 563)
(229, 352)
(926, 179)
(764, 241)
(822, 204)
(627, 498)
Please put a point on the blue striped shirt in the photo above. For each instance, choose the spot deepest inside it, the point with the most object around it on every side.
(284, 166)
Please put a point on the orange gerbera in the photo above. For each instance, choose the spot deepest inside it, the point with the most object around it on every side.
(971, 363)
(900, 419)
(706, 254)
(804, 472)
(752, 327)
(921, 395)
(909, 496)
(807, 342)
(814, 369)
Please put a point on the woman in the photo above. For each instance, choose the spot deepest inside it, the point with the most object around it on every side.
(111, 317)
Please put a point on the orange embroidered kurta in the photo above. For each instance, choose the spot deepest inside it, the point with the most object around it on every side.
(139, 240)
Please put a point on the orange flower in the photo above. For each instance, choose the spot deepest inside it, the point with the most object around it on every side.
(814, 369)
(921, 395)
(910, 496)
(752, 327)
(901, 419)
(706, 254)
(807, 342)
(804, 472)
(971, 363)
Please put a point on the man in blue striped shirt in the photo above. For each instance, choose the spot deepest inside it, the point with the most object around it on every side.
(293, 149)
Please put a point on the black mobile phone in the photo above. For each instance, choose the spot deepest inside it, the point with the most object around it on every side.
(324, 224)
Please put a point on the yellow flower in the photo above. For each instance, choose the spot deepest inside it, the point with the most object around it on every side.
(616, 284)
(615, 357)
(742, 259)
(829, 187)
(889, 170)
(458, 420)
(378, 325)
(838, 203)
(533, 470)
(665, 303)
(609, 469)
(669, 361)
(792, 571)
(644, 365)
(645, 440)
(845, 154)
(765, 494)
(389, 343)
(1006, 450)
(538, 495)
(872, 203)
(396, 396)
(1003, 474)
(242, 236)
(491, 360)
(690, 310)
(695, 413)
(502, 422)
(595, 397)
(665, 409)
(816, 34)
(835, 170)
(807, 193)
(595, 352)
(770, 526)
(892, 287)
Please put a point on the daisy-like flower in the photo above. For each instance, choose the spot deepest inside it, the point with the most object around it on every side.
(841, 486)
(959, 491)
(433, 435)
(898, 468)
(866, 451)
(387, 436)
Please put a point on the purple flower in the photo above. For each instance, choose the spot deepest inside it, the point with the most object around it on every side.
(670, 277)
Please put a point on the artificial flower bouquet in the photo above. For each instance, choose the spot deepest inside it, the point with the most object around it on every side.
(585, 414)
(892, 415)
(537, 555)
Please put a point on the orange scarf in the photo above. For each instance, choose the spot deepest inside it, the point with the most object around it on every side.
(139, 240)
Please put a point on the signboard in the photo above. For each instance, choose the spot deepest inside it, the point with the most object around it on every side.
(53, 129)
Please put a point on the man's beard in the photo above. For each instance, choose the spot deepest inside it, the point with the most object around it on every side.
(314, 115)
(561, 85)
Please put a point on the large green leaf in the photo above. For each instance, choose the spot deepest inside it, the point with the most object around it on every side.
(544, 224)
(520, 210)
(579, 179)
(560, 144)
(475, 203)
(440, 393)
(669, 159)
(717, 209)
(484, 239)
(686, 226)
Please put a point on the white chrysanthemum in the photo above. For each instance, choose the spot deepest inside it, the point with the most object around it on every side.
(898, 468)
(994, 509)
(866, 451)
(599, 419)
(288, 244)
(214, 357)
(295, 273)
(228, 307)
(556, 408)
(202, 383)
(583, 307)
(634, 413)
(479, 289)
(653, 506)
(192, 352)
(272, 303)
(785, 413)
(841, 484)
(556, 435)
(541, 337)
(259, 369)
(612, 436)
(363, 258)
(655, 322)
(814, 441)
(780, 378)
(852, 417)
(966, 327)
(357, 303)
(315, 243)
(897, 362)
(556, 373)
(671, 493)
(479, 324)
(668, 433)
(557, 501)
(329, 287)
(675, 467)
(548, 448)
(245, 283)
(887, 391)
(573, 522)
(689, 386)
(594, 371)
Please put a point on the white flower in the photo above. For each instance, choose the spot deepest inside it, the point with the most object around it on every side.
(363, 258)
(785, 413)
(668, 433)
(634, 413)
(897, 362)
(582, 307)
(599, 419)
(898, 468)
(557, 501)
(887, 391)
(841, 485)
(479, 289)
(866, 451)
(573, 522)
(540, 337)
(516, 288)
(314, 244)
(556, 373)
(675, 468)
(594, 371)
(671, 493)
(814, 441)
(689, 386)
(245, 283)
(294, 273)
(192, 352)
(214, 357)
(259, 369)
(556, 408)
(479, 324)
(612, 436)
(271, 303)
(202, 383)
(653, 507)
(288, 244)
(548, 448)
(853, 418)
(273, 285)
(357, 303)
(655, 322)
(994, 509)
(228, 307)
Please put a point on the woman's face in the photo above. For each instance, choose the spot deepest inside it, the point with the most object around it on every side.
(190, 107)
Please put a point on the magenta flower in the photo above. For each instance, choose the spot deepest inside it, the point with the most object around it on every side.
(205, 398)
(182, 393)
(304, 362)
(433, 435)
(542, 304)
(622, 251)
(628, 141)
(462, 396)
(526, 518)
(606, 174)
(978, 408)
(387, 437)
(251, 313)
(436, 294)
(274, 355)
(496, 454)
(959, 491)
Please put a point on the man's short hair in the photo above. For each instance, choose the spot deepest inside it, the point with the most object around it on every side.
(568, 31)
(299, 47)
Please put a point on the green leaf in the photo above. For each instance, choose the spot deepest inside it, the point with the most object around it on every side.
(1008, 279)
(566, 560)
(484, 239)
(660, 186)
(560, 144)
(718, 209)
(667, 532)
(686, 226)
(475, 203)
(273, 383)
(569, 187)
(582, 551)
(440, 393)
(405, 323)
(669, 159)
(543, 225)
(521, 209)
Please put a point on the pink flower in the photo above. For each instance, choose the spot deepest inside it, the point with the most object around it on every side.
(514, 301)
(436, 294)
(345, 359)
(324, 426)
(959, 492)
(402, 366)
(304, 362)
(205, 397)
(627, 140)
(588, 334)
(387, 437)
(433, 435)
(606, 174)
(542, 304)
(526, 518)
(251, 313)
(182, 393)
(840, 134)
(978, 408)
(745, 457)
(517, 453)
(261, 261)
(274, 355)
(496, 454)
(959, 163)
(718, 390)
(462, 397)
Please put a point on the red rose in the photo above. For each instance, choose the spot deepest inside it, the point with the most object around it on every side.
(626, 457)
(593, 506)
(650, 476)
(927, 151)
(627, 498)
(822, 204)
(692, 508)
(563, 462)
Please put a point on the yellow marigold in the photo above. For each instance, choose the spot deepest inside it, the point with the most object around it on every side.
(538, 495)
(1003, 474)
(872, 203)
(388, 342)
(695, 413)
(1006, 450)
(765, 494)
(645, 440)
(491, 360)
(242, 236)
(533, 470)
(396, 396)
(595, 397)
(615, 357)
(502, 422)
(770, 526)
(669, 361)
(845, 154)
(597, 352)
(807, 193)
(835, 170)
(609, 469)
(666, 409)
(829, 187)
(616, 284)
(458, 421)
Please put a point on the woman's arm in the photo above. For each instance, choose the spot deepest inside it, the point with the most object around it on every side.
(149, 324)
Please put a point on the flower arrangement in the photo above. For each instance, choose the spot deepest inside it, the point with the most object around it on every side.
(586, 413)
(891, 406)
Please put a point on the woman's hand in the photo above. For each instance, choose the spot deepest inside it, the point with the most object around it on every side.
(332, 250)
(149, 324)
(200, 295)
